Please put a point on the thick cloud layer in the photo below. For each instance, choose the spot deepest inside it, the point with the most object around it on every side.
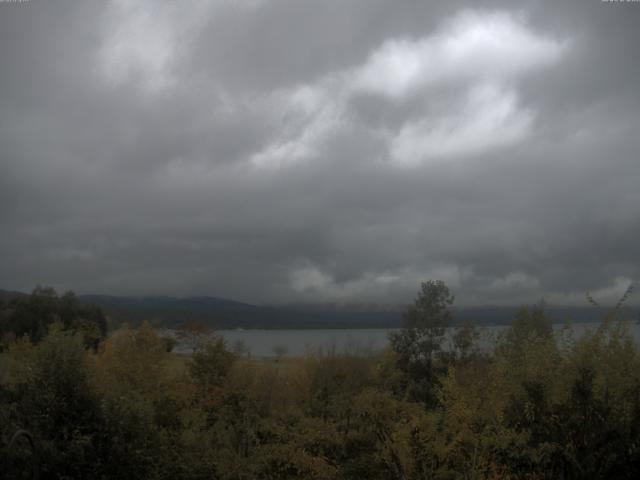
(344, 150)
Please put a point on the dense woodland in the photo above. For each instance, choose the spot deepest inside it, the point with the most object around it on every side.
(537, 405)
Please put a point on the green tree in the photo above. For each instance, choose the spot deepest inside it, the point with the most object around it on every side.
(530, 321)
(418, 343)
(210, 363)
(33, 314)
(55, 403)
(465, 339)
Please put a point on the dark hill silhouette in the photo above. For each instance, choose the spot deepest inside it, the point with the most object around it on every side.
(223, 313)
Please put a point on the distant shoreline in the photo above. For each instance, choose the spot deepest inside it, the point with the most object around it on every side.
(224, 314)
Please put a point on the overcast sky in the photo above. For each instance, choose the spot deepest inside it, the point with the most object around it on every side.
(309, 151)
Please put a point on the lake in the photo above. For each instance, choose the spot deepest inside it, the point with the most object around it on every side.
(265, 343)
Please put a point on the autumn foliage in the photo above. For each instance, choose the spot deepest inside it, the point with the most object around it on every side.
(538, 403)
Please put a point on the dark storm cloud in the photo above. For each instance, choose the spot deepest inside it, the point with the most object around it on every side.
(308, 151)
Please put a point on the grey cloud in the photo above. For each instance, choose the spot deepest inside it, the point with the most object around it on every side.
(114, 185)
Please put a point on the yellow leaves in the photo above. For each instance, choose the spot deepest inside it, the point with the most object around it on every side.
(334, 415)
(286, 461)
(610, 352)
(132, 360)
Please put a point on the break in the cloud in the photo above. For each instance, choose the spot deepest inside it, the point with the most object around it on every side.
(283, 151)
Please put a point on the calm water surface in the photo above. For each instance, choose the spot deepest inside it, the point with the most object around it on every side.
(265, 343)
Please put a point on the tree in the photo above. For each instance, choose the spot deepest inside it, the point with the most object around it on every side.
(57, 406)
(143, 397)
(530, 324)
(465, 340)
(33, 314)
(420, 339)
(279, 351)
(210, 363)
(194, 335)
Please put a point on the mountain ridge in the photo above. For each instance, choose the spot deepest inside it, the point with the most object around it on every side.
(222, 313)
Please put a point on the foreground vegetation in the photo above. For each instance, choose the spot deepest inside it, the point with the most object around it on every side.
(537, 406)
